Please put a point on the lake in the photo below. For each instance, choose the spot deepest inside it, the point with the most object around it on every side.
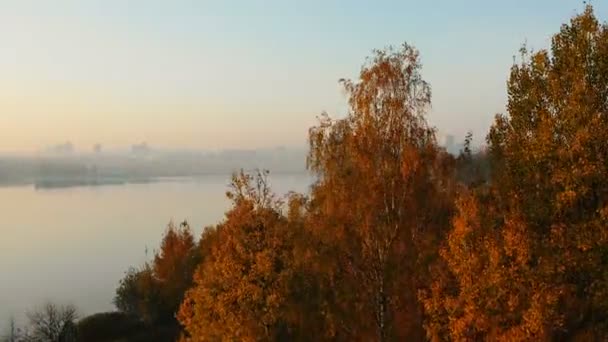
(73, 245)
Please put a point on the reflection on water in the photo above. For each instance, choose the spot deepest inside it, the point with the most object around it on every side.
(72, 245)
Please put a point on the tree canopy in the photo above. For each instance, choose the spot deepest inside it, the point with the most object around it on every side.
(399, 240)
(531, 265)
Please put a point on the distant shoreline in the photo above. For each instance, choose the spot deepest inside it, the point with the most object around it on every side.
(66, 182)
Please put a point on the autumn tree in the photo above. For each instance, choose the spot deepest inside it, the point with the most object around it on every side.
(381, 201)
(154, 291)
(174, 266)
(527, 254)
(472, 165)
(242, 289)
(138, 294)
(310, 293)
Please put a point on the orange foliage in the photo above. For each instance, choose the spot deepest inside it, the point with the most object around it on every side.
(399, 241)
(381, 201)
(242, 289)
(532, 264)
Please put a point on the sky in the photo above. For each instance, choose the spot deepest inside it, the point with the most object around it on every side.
(244, 74)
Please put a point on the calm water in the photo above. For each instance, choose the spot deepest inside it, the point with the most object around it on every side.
(73, 245)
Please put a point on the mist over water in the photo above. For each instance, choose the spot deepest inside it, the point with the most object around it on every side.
(73, 245)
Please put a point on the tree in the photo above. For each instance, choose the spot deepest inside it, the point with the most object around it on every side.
(381, 201)
(468, 140)
(155, 291)
(13, 333)
(472, 167)
(52, 323)
(173, 268)
(242, 289)
(532, 264)
(138, 294)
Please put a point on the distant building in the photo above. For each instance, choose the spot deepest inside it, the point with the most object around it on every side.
(65, 148)
(450, 144)
(140, 149)
(97, 148)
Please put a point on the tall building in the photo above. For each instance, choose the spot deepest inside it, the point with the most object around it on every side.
(450, 144)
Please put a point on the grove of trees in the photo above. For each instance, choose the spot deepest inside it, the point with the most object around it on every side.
(398, 240)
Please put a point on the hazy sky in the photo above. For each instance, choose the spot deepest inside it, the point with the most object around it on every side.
(213, 74)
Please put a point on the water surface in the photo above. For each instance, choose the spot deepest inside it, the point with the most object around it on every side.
(73, 245)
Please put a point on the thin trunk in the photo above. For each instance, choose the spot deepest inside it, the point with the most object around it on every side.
(381, 312)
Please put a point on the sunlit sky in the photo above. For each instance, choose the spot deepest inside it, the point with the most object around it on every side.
(244, 74)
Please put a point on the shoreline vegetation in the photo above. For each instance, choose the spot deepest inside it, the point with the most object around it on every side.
(397, 239)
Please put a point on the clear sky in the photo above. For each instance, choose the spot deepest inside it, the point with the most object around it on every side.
(242, 74)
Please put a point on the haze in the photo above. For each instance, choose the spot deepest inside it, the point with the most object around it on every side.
(235, 74)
